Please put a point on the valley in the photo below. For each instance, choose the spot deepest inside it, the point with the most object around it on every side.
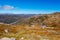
(34, 27)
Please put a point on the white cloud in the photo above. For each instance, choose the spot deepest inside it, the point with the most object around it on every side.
(8, 7)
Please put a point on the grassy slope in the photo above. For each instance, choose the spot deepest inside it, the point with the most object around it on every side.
(50, 20)
(26, 32)
(33, 33)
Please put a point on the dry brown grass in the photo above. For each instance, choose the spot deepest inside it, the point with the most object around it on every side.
(33, 33)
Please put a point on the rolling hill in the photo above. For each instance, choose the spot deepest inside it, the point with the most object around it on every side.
(31, 28)
(49, 20)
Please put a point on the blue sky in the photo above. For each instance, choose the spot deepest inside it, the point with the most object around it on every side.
(29, 6)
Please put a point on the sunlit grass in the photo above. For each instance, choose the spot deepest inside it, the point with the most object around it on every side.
(35, 33)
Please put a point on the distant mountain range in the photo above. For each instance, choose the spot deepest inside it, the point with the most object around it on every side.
(51, 20)
(10, 18)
